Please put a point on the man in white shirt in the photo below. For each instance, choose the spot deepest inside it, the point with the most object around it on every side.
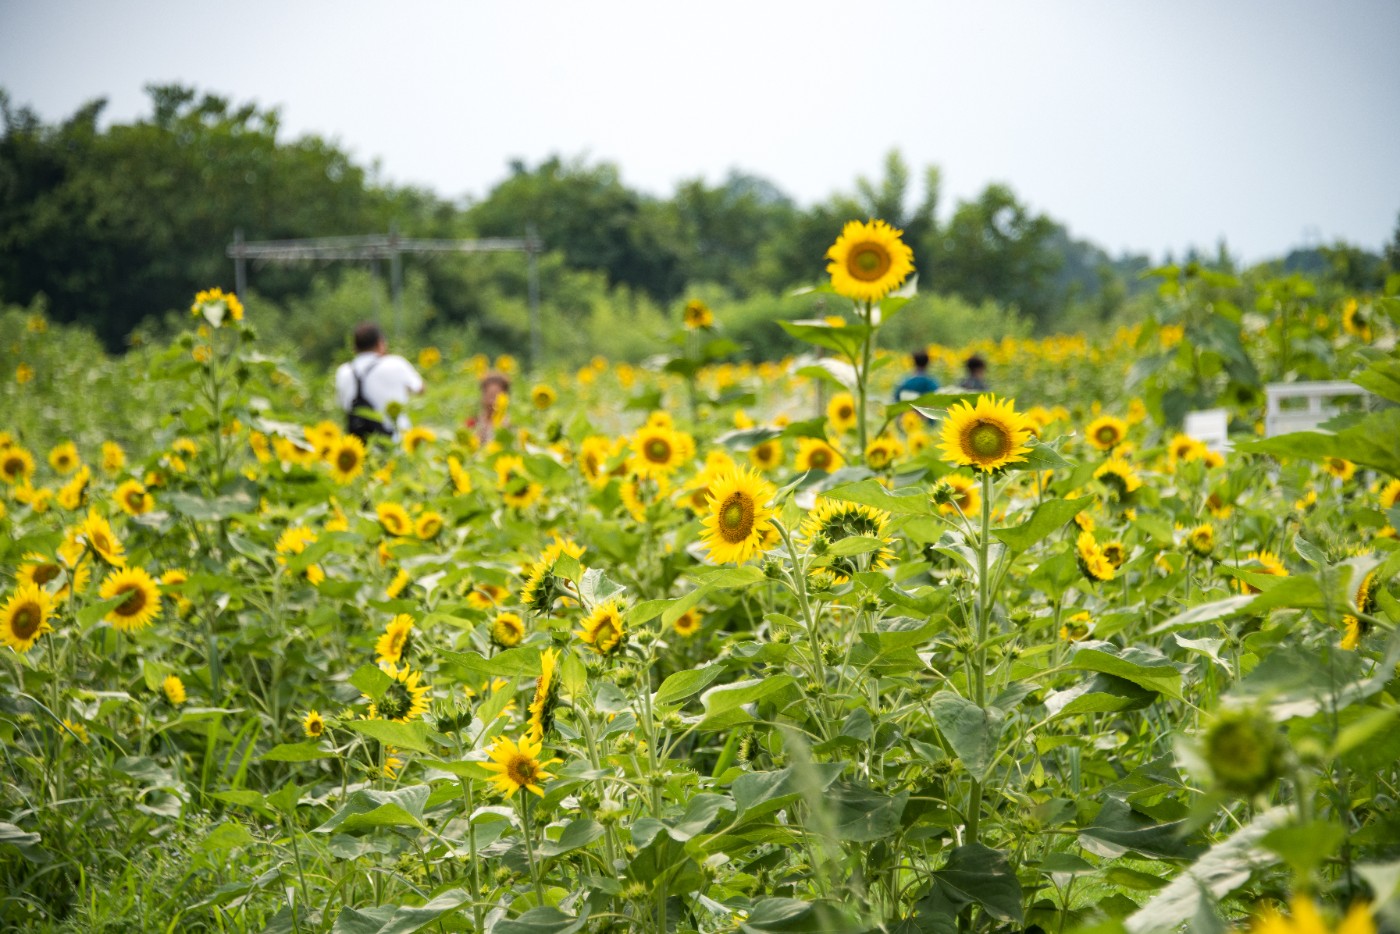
(375, 379)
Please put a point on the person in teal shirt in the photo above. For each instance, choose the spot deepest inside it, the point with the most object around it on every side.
(917, 383)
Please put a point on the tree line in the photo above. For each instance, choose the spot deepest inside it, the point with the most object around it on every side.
(117, 227)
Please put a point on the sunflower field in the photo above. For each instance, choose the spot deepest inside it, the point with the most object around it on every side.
(713, 643)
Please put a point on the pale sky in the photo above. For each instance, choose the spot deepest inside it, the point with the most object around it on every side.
(1142, 126)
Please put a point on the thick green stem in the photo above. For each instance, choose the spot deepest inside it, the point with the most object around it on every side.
(530, 846)
(979, 656)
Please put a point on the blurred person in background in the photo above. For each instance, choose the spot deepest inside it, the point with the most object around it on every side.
(975, 379)
(375, 380)
(495, 396)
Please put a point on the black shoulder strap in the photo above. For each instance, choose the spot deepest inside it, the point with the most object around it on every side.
(360, 377)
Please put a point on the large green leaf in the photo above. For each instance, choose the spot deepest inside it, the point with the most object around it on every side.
(1047, 518)
(683, 684)
(723, 704)
(972, 731)
(976, 874)
(869, 492)
(1100, 694)
(1369, 442)
(392, 733)
(1118, 830)
(398, 919)
(1145, 667)
(368, 809)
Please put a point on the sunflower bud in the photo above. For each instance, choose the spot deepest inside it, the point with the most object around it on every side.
(1245, 752)
(772, 569)
(820, 544)
(673, 722)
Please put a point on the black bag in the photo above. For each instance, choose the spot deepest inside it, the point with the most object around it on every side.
(362, 426)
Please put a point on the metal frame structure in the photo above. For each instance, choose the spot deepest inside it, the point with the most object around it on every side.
(391, 247)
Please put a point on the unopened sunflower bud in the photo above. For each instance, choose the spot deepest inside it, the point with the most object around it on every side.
(820, 583)
(673, 722)
(626, 744)
(1245, 752)
(772, 569)
(820, 544)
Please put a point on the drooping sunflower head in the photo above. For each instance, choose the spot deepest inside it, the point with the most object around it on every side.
(141, 603)
(1245, 752)
(1260, 562)
(73, 494)
(98, 535)
(405, 697)
(541, 707)
(428, 526)
(1119, 477)
(1366, 602)
(738, 516)
(507, 630)
(25, 617)
(394, 643)
(1202, 540)
(1077, 627)
(841, 412)
(987, 436)
(1106, 432)
(346, 458)
(697, 315)
(868, 261)
(603, 629)
(1093, 563)
(831, 521)
(816, 454)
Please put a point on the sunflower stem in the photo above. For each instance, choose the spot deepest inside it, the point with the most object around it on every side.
(979, 658)
(530, 846)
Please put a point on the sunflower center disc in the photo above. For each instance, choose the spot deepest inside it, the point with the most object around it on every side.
(658, 451)
(26, 621)
(45, 573)
(522, 770)
(134, 603)
(988, 441)
(869, 261)
(735, 518)
(346, 460)
(1107, 435)
(607, 637)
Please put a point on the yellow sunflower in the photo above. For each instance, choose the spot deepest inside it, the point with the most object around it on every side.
(404, 698)
(1390, 494)
(395, 640)
(1366, 604)
(142, 603)
(98, 535)
(484, 596)
(1201, 540)
(346, 458)
(461, 480)
(313, 724)
(173, 689)
(541, 706)
(397, 585)
(738, 516)
(64, 457)
(73, 493)
(841, 412)
(1120, 478)
(1306, 919)
(816, 454)
(868, 261)
(883, 451)
(1339, 467)
(428, 526)
(594, 452)
(697, 315)
(294, 540)
(603, 629)
(25, 617)
(1264, 562)
(517, 489)
(956, 493)
(986, 437)
(1093, 563)
(113, 457)
(174, 578)
(766, 455)
(1355, 321)
(658, 451)
(507, 630)
(16, 464)
(1106, 432)
(1181, 448)
(133, 498)
(518, 766)
(394, 518)
(688, 623)
(416, 437)
(543, 396)
(1077, 627)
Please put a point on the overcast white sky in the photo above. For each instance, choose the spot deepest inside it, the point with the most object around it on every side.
(1142, 126)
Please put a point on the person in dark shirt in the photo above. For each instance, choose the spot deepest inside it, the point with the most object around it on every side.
(976, 378)
(917, 383)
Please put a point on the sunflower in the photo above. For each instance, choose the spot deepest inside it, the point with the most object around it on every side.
(1115, 553)
(347, 458)
(395, 640)
(1268, 563)
(816, 454)
(688, 623)
(955, 493)
(174, 578)
(1339, 467)
(1306, 919)
(25, 617)
(113, 457)
(1120, 478)
(985, 437)
(416, 437)
(394, 518)
(1355, 321)
(507, 630)
(64, 457)
(546, 695)
(142, 603)
(834, 520)
(484, 596)
(294, 540)
(78, 730)
(313, 724)
(542, 396)
(739, 517)
(1201, 540)
(397, 585)
(883, 451)
(868, 261)
(766, 455)
(516, 488)
(697, 315)
(16, 464)
(518, 766)
(1077, 628)
(841, 412)
(428, 526)
(461, 480)
(1093, 563)
(403, 699)
(73, 493)
(594, 452)
(603, 629)
(1106, 432)
(97, 533)
(133, 498)
(658, 451)
(1365, 604)
(173, 689)
(1183, 448)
